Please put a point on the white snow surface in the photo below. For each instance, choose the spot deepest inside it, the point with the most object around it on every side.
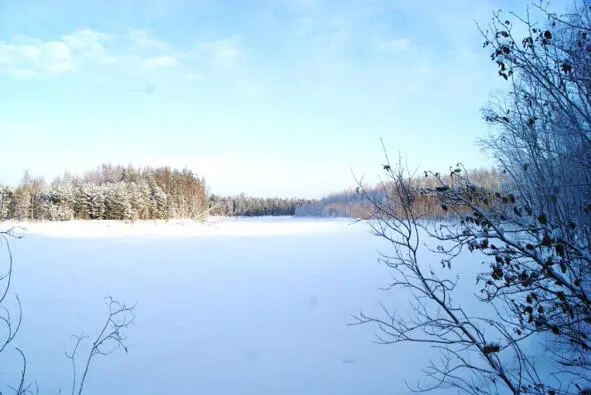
(230, 306)
(213, 226)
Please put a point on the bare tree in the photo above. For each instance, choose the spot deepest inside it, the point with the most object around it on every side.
(534, 231)
(543, 141)
(474, 348)
(542, 124)
(111, 337)
(10, 322)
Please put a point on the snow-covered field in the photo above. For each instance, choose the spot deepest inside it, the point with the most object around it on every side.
(232, 306)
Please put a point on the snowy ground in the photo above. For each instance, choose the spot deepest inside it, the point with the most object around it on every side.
(214, 226)
(232, 306)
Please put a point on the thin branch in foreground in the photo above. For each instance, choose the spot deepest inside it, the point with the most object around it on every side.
(111, 338)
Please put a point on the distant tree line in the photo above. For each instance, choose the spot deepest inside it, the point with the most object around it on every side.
(109, 192)
(358, 204)
(243, 205)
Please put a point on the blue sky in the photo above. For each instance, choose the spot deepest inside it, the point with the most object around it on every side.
(266, 97)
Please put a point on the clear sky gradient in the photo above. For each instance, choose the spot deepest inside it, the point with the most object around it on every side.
(266, 97)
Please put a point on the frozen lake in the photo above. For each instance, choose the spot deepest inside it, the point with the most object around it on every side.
(235, 306)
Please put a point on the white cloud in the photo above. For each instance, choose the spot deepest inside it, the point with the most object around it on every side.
(160, 62)
(30, 57)
(35, 58)
(88, 43)
(56, 57)
(144, 40)
(11, 54)
(27, 57)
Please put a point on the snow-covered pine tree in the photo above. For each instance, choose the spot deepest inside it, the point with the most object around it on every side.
(20, 207)
(81, 201)
(158, 203)
(61, 202)
(5, 198)
(96, 199)
(144, 197)
(117, 202)
(135, 201)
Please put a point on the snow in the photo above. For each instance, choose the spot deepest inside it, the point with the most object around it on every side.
(229, 306)
(213, 226)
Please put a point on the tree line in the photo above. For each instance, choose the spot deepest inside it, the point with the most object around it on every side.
(357, 203)
(128, 193)
(243, 205)
(109, 192)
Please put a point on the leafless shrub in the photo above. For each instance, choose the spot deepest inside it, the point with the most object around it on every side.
(110, 338)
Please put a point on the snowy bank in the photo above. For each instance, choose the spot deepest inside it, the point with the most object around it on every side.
(213, 226)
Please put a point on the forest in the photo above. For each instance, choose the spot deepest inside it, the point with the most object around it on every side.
(115, 192)
(109, 192)
(246, 206)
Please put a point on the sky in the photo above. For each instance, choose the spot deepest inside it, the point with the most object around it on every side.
(265, 97)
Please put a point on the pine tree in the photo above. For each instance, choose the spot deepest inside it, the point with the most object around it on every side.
(20, 207)
(159, 203)
(82, 201)
(117, 202)
(96, 201)
(62, 197)
(144, 199)
(6, 196)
